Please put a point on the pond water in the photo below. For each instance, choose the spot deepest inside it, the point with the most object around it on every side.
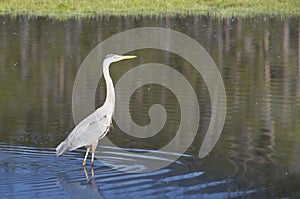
(257, 155)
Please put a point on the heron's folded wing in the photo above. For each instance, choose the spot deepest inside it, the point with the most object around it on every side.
(88, 131)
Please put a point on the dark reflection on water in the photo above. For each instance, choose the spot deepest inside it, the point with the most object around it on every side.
(258, 155)
(84, 189)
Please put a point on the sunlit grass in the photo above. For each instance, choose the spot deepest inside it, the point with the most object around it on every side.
(222, 8)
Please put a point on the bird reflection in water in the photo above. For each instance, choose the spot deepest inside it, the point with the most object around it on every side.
(87, 175)
(84, 189)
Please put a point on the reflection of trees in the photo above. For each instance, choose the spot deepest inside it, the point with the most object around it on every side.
(39, 59)
(260, 91)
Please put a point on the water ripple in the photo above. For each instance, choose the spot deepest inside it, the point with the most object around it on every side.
(30, 172)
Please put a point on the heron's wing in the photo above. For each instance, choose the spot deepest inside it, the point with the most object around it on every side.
(89, 130)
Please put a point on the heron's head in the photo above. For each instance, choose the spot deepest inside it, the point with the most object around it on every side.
(115, 58)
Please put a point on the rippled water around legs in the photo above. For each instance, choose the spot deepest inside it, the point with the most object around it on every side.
(36, 173)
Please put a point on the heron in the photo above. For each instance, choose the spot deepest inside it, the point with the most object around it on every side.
(95, 126)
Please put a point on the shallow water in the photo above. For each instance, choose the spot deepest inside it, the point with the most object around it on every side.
(35, 173)
(257, 156)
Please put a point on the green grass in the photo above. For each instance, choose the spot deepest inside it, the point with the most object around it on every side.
(91, 8)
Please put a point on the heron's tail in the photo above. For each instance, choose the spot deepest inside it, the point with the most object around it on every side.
(62, 147)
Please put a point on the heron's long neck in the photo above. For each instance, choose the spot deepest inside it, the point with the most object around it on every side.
(110, 91)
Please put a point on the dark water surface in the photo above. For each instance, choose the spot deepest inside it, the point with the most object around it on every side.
(257, 156)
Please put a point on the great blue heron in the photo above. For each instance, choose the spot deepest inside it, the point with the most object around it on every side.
(94, 127)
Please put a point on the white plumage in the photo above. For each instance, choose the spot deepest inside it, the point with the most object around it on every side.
(94, 127)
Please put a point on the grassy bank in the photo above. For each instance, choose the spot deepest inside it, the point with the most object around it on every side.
(223, 8)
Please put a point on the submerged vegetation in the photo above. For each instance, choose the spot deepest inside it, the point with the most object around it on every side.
(90, 8)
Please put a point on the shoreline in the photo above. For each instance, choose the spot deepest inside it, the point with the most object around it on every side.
(217, 8)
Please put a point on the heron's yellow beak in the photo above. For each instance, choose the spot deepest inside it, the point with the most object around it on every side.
(127, 57)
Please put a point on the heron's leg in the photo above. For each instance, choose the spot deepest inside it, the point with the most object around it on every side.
(86, 155)
(94, 146)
